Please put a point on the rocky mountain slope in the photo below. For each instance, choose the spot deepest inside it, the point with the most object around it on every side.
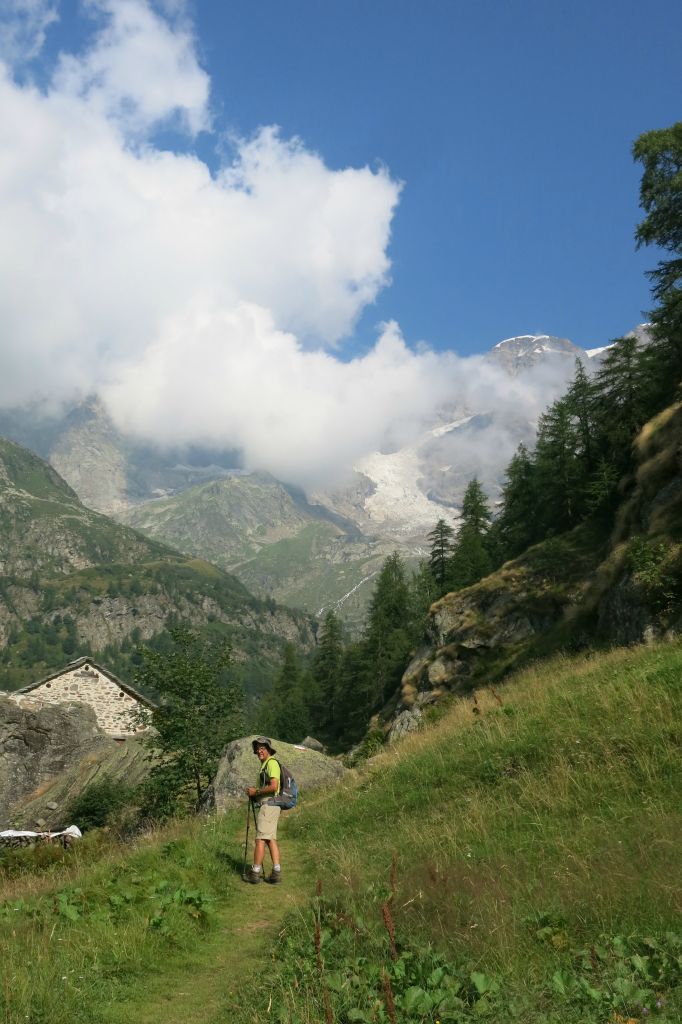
(313, 552)
(581, 588)
(75, 582)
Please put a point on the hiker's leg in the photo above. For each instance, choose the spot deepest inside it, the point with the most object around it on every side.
(258, 853)
(274, 850)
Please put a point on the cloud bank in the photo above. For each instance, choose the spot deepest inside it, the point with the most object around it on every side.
(203, 307)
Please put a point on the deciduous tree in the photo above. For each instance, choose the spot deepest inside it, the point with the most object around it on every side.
(200, 709)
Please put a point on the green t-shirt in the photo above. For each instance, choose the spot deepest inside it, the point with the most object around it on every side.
(270, 770)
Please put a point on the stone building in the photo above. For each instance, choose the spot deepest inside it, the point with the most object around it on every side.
(115, 703)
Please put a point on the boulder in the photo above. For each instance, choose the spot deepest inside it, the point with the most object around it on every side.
(36, 746)
(239, 768)
(49, 755)
(312, 744)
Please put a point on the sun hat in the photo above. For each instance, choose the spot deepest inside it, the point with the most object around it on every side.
(262, 741)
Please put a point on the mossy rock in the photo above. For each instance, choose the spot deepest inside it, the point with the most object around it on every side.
(239, 768)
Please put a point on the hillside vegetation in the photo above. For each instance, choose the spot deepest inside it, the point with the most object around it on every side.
(518, 860)
(276, 542)
(74, 582)
(536, 859)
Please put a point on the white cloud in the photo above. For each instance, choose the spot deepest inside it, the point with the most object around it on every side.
(204, 308)
(300, 414)
(23, 28)
(141, 70)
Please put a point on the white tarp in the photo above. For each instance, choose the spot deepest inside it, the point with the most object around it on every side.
(12, 833)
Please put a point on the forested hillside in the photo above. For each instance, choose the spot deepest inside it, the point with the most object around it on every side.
(584, 550)
(74, 582)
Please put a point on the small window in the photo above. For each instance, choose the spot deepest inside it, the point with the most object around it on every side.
(48, 685)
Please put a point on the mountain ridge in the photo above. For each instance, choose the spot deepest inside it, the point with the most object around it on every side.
(75, 581)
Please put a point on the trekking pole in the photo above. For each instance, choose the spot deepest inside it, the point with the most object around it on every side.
(246, 841)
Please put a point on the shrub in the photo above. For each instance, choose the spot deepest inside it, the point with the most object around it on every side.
(97, 802)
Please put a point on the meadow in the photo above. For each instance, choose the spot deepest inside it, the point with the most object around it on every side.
(517, 860)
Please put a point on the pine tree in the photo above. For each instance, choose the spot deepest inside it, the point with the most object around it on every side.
(441, 541)
(581, 400)
(558, 471)
(475, 510)
(517, 524)
(471, 559)
(660, 153)
(423, 591)
(326, 672)
(354, 695)
(620, 390)
(387, 634)
(286, 702)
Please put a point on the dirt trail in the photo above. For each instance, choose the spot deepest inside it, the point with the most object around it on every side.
(198, 988)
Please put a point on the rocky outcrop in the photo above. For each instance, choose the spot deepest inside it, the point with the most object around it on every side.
(48, 756)
(625, 589)
(411, 717)
(491, 621)
(239, 768)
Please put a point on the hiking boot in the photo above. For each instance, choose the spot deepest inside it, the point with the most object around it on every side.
(253, 876)
(275, 877)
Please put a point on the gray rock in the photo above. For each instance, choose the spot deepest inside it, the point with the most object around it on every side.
(312, 744)
(407, 721)
(623, 615)
(48, 756)
(239, 768)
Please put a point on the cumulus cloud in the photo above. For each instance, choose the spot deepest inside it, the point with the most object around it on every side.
(23, 27)
(140, 70)
(204, 307)
(301, 414)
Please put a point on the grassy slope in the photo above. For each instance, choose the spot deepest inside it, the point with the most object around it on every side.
(537, 848)
(558, 809)
(301, 571)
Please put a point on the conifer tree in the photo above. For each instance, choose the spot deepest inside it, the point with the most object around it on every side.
(660, 153)
(475, 511)
(326, 671)
(518, 522)
(354, 696)
(387, 634)
(423, 591)
(471, 559)
(287, 705)
(558, 473)
(620, 390)
(581, 401)
(441, 541)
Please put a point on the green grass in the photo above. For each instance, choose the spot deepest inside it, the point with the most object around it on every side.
(523, 859)
(87, 930)
(536, 845)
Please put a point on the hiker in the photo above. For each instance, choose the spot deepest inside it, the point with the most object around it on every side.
(268, 812)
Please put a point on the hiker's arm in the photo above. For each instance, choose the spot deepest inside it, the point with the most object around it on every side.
(270, 788)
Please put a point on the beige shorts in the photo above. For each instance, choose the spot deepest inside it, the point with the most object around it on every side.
(266, 821)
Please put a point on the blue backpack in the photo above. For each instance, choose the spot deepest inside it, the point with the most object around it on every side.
(288, 788)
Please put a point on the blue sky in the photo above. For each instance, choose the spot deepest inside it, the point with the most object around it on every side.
(510, 125)
(270, 225)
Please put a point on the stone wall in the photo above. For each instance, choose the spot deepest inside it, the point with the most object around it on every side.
(113, 707)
